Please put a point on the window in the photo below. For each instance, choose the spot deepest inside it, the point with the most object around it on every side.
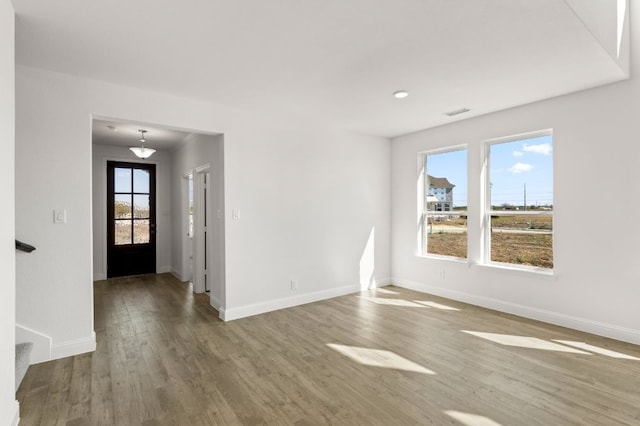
(519, 201)
(443, 203)
(131, 206)
(190, 206)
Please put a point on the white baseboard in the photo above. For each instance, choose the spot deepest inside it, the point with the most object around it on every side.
(99, 276)
(222, 313)
(163, 269)
(13, 418)
(231, 314)
(74, 347)
(178, 275)
(41, 351)
(214, 302)
(576, 323)
(383, 282)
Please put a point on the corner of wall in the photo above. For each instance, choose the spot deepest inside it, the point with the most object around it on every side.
(14, 419)
(164, 269)
(177, 274)
(74, 347)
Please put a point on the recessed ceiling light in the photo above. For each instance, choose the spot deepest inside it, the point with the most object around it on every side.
(457, 111)
(112, 128)
(400, 94)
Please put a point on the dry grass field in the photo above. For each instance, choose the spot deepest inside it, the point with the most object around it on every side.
(523, 240)
(140, 232)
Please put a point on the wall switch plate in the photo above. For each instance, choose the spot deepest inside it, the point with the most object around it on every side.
(60, 216)
(294, 284)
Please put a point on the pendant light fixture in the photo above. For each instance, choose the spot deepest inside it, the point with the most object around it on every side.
(141, 151)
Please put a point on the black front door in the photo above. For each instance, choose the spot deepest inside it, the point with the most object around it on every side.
(131, 219)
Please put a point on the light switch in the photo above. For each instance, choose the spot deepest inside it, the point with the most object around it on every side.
(235, 214)
(60, 216)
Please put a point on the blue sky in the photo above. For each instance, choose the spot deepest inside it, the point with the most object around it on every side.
(512, 165)
(123, 180)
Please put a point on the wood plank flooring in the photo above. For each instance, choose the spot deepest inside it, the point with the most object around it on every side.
(385, 357)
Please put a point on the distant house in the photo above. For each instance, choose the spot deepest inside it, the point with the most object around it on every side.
(442, 190)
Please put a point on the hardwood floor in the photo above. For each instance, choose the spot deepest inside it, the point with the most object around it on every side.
(388, 357)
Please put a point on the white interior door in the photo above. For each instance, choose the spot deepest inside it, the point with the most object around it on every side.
(201, 232)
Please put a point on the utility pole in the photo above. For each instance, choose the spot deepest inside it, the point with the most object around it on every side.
(490, 196)
(525, 196)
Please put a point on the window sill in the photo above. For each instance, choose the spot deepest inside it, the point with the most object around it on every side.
(443, 257)
(530, 271)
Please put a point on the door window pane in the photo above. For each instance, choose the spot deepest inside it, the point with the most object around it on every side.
(122, 206)
(141, 206)
(123, 232)
(141, 231)
(141, 181)
(122, 180)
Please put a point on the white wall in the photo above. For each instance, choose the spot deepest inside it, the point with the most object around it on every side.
(595, 286)
(309, 197)
(308, 202)
(218, 296)
(8, 404)
(162, 160)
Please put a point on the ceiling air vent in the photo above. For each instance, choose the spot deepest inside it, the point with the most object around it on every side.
(457, 111)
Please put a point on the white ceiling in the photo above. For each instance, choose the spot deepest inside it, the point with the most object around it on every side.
(334, 61)
(120, 133)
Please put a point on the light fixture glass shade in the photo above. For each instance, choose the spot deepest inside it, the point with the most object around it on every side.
(400, 94)
(142, 152)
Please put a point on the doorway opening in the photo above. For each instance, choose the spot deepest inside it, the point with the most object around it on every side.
(184, 218)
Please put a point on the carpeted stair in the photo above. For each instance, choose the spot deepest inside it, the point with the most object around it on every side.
(23, 354)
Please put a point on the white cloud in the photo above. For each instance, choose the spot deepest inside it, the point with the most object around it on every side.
(521, 168)
(518, 153)
(543, 148)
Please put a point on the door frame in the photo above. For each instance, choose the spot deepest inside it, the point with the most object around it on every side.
(201, 238)
(105, 213)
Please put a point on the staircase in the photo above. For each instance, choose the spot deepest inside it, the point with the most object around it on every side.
(23, 350)
(23, 359)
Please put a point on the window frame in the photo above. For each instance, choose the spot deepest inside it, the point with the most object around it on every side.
(422, 211)
(488, 212)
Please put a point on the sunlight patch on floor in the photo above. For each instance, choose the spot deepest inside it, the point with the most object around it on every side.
(407, 303)
(597, 350)
(385, 291)
(468, 419)
(436, 305)
(379, 358)
(393, 302)
(524, 342)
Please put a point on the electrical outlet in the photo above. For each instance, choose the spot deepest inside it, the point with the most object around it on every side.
(294, 284)
(442, 275)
